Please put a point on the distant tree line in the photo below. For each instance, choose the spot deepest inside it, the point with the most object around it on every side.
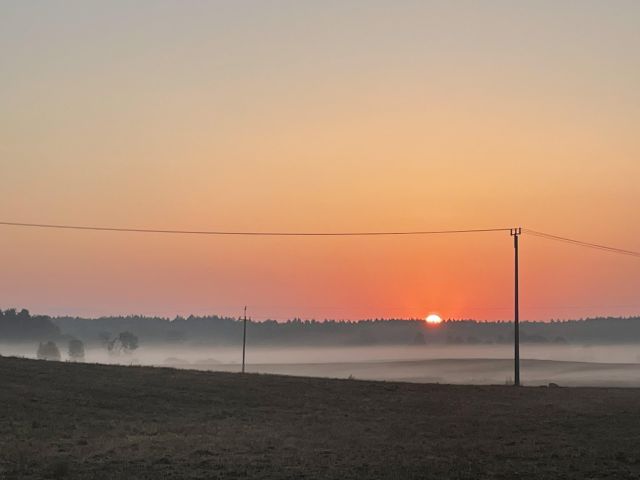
(215, 330)
(21, 326)
(122, 334)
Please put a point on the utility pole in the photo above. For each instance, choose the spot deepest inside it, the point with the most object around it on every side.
(515, 233)
(244, 336)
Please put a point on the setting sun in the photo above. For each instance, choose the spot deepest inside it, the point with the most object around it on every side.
(433, 319)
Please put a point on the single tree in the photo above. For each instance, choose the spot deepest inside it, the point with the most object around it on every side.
(125, 342)
(128, 341)
(48, 351)
(76, 350)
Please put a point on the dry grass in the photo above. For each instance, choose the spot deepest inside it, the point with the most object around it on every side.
(90, 421)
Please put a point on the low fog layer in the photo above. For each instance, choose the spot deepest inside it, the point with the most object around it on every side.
(602, 351)
(479, 364)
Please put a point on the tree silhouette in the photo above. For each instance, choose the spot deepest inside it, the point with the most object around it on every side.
(48, 351)
(76, 350)
(22, 326)
(125, 342)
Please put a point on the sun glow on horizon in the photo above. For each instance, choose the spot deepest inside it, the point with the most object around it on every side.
(433, 319)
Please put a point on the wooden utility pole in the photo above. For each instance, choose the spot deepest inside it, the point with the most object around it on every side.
(515, 233)
(244, 336)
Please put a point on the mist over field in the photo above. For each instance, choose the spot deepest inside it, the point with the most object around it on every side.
(581, 352)
(596, 365)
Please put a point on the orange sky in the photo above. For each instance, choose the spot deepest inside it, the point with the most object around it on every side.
(320, 116)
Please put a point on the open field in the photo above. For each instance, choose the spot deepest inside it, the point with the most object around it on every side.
(477, 371)
(63, 420)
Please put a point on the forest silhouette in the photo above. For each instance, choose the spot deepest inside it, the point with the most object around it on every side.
(20, 326)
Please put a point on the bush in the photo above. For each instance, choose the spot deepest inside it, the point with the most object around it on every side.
(76, 350)
(48, 351)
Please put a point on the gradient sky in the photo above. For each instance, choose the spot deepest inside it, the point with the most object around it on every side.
(325, 115)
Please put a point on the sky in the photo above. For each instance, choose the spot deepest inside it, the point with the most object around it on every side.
(320, 116)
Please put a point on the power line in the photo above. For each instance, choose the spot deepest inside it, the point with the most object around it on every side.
(534, 233)
(250, 233)
(581, 243)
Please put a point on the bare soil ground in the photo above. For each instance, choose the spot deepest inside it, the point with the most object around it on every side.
(63, 420)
